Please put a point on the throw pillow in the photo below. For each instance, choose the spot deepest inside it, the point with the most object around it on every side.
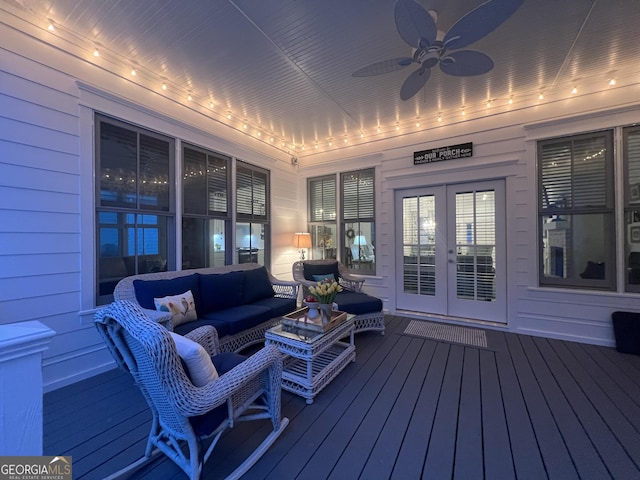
(182, 307)
(199, 365)
(326, 276)
(311, 269)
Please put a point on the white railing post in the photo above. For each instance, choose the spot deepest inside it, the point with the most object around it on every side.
(21, 412)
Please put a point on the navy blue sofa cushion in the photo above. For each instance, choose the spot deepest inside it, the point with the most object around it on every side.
(220, 325)
(220, 291)
(147, 290)
(278, 306)
(310, 270)
(238, 318)
(257, 285)
(357, 303)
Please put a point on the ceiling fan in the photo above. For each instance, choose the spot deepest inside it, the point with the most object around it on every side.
(418, 29)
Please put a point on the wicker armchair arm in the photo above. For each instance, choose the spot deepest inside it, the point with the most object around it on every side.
(267, 361)
(207, 336)
(351, 282)
(284, 288)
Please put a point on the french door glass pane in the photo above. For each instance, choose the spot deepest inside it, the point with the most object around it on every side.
(419, 234)
(475, 245)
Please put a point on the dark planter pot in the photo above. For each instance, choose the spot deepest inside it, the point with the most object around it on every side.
(626, 329)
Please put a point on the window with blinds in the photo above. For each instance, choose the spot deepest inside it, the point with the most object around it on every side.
(251, 193)
(358, 219)
(206, 217)
(631, 155)
(323, 217)
(252, 214)
(135, 216)
(576, 211)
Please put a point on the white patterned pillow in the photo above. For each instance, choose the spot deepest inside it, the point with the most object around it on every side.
(199, 365)
(182, 307)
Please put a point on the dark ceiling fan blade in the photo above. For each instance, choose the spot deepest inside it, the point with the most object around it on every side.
(385, 66)
(414, 83)
(466, 63)
(414, 24)
(479, 22)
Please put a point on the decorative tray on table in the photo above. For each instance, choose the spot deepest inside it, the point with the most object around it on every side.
(300, 319)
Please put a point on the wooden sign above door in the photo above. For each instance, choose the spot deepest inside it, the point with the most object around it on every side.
(443, 153)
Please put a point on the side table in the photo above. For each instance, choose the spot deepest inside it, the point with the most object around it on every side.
(313, 358)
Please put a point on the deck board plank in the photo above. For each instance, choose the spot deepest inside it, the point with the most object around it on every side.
(469, 463)
(498, 461)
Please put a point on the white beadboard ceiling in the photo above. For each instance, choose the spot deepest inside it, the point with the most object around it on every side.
(284, 67)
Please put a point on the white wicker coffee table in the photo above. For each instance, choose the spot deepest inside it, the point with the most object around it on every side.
(313, 358)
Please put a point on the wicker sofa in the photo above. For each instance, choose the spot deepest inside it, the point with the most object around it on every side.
(240, 301)
(366, 308)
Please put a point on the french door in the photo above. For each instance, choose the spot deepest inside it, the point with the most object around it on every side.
(451, 255)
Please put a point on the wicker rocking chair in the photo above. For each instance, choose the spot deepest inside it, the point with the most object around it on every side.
(184, 414)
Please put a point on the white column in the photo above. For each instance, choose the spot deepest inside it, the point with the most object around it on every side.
(21, 347)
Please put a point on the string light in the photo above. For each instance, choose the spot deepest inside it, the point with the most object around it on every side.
(256, 131)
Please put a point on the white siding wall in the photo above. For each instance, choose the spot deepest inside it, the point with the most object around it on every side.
(47, 100)
(503, 147)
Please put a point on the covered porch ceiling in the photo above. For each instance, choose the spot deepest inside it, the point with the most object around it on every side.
(281, 71)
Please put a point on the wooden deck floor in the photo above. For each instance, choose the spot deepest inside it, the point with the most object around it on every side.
(408, 408)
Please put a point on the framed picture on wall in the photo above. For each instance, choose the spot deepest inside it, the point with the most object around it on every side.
(635, 192)
(634, 234)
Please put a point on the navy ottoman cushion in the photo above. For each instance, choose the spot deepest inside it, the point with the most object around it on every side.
(357, 303)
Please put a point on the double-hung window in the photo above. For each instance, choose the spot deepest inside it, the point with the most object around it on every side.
(206, 219)
(135, 217)
(323, 217)
(252, 214)
(631, 157)
(576, 211)
(358, 219)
